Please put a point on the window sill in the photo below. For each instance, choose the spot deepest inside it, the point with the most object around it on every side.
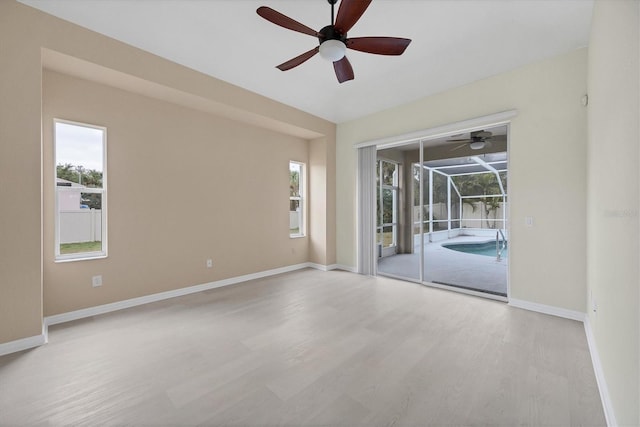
(84, 258)
(296, 236)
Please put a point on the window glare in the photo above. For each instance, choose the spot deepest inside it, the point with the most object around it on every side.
(79, 146)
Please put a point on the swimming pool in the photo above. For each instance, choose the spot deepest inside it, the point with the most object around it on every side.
(486, 248)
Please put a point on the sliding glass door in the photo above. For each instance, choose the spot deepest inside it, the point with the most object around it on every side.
(441, 213)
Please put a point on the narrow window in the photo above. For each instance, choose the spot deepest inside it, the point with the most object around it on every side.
(296, 199)
(80, 191)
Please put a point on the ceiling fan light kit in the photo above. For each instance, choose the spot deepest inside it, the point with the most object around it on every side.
(333, 38)
(476, 145)
(333, 50)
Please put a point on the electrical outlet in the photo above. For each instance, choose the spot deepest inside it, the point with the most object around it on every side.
(209, 263)
(96, 281)
(528, 221)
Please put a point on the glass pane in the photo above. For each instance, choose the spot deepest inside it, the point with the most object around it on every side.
(440, 200)
(472, 213)
(80, 215)
(389, 173)
(79, 156)
(503, 178)
(295, 170)
(388, 206)
(295, 216)
(415, 184)
(455, 208)
(478, 184)
(440, 225)
(423, 240)
(388, 236)
(482, 212)
(378, 208)
(420, 214)
(493, 212)
(79, 161)
(416, 212)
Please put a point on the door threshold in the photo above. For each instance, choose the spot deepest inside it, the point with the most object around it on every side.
(468, 291)
(449, 287)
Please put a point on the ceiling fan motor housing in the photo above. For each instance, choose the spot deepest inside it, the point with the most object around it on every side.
(333, 44)
(330, 33)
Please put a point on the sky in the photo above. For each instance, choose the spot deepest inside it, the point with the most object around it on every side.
(79, 146)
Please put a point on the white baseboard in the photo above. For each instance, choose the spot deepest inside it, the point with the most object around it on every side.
(345, 268)
(600, 379)
(22, 344)
(133, 302)
(320, 267)
(332, 267)
(547, 309)
(593, 349)
(38, 340)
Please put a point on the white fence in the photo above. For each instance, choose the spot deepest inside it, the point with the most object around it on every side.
(470, 218)
(84, 225)
(294, 220)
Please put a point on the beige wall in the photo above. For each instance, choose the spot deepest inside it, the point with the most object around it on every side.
(614, 200)
(28, 38)
(183, 186)
(547, 162)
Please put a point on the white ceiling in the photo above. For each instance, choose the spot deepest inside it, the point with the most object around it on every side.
(454, 42)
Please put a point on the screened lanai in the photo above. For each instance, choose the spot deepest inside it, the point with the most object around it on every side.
(444, 221)
(462, 193)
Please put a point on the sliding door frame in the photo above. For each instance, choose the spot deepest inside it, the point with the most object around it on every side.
(478, 123)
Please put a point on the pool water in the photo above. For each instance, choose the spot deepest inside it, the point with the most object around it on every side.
(486, 249)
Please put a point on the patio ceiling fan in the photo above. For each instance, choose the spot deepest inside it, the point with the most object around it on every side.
(333, 38)
(477, 140)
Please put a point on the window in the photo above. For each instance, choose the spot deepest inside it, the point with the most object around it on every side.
(80, 191)
(387, 206)
(296, 199)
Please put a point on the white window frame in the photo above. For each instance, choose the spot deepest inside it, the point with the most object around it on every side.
(103, 191)
(302, 187)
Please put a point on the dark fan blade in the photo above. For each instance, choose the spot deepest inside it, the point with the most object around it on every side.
(298, 60)
(349, 13)
(284, 21)
(343, 70)
(459, 140)
(379, 45)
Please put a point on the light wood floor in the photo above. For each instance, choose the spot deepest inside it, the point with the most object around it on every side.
(308, 348)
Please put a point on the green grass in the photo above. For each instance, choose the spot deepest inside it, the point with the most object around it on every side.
(74, 248)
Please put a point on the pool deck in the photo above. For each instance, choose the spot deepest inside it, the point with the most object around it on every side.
(446, 266)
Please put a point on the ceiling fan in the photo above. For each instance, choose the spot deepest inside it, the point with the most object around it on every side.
(333, 38)
(477, 140)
